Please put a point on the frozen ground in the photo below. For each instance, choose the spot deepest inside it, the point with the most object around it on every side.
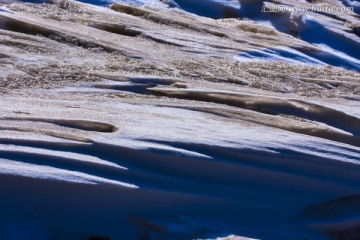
(134, 122)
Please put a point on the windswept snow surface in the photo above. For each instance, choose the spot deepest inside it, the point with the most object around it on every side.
(280, 54)
(336, 30)
(167, 172)
(130, 122)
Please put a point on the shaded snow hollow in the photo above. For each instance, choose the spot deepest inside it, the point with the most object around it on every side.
(131, 122)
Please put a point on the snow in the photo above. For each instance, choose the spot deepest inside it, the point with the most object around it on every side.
(192, 128)
(279, 54)
(164, 151)
(336, 50)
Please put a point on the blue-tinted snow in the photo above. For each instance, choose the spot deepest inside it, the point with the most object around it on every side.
(279, 54)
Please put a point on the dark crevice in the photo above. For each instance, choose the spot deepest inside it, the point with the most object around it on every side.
(117, 29)
(194, 51)
(161, 20)
(4, 55)
(77, 124)
(32, 29)
(223, 47)
(134, 88)
(138, 85)
(26, 28)
(161, 41)
(81, 43)
(129, 32)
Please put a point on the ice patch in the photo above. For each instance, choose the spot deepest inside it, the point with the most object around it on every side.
(3, 10)
(352, 3)
(152, 3)
(339, 49)
(208, 8)
(279, 54)
(336, 58)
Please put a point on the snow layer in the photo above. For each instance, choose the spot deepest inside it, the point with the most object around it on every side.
(334, 32)
(191, 168)
(138, 123)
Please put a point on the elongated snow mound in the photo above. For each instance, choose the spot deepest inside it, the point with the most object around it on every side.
(132, 122)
